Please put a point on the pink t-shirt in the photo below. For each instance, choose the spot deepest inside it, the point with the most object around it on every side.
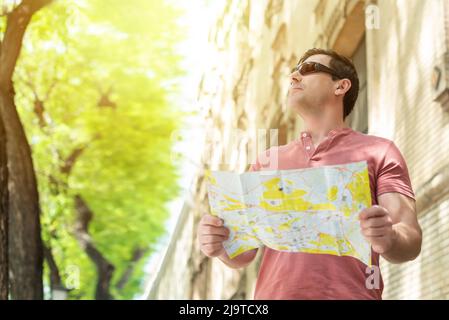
(296, 275)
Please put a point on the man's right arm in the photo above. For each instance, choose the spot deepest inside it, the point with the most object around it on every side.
(211, 234)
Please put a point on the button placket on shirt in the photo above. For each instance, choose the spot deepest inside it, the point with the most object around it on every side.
(307, 142)
(311, 151)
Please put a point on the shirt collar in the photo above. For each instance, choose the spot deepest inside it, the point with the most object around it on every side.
(331, 134)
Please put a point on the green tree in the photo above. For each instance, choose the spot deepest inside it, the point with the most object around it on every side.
(92, 89)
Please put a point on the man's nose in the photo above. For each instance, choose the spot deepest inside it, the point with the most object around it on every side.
(295, 76)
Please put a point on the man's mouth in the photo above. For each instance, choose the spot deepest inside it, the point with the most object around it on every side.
(298, 87)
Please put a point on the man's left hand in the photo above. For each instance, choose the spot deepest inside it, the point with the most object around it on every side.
(377, 228)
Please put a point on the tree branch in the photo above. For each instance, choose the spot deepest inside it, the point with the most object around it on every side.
(39, 104)
(69, 163)
(55, 277)
(105, 100)
(17, 22)
(138, 253)
(105, 269)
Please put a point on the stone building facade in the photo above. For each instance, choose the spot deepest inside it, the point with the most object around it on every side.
(401, 51)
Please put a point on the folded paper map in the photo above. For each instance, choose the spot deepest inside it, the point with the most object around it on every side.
(313, 210)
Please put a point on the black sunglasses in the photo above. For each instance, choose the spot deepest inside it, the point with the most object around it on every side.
(306, 68)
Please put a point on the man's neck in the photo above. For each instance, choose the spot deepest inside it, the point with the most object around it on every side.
(319, 128)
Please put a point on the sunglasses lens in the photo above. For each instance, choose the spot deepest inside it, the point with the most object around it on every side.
(311, 67)
(306, 68)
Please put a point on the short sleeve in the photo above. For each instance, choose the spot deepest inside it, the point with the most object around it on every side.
(254, 167)
(393, 174)
(263, 160)
(257, 165)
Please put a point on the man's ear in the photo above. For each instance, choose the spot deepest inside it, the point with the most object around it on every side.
(342, 86)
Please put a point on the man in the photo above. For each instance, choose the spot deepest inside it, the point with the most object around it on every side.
(323, 91)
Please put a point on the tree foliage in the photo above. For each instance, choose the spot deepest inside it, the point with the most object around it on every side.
(92, 86)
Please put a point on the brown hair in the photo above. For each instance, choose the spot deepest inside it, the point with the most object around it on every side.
(345, 68)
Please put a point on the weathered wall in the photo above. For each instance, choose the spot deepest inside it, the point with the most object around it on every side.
(402, 57)
(254, 46)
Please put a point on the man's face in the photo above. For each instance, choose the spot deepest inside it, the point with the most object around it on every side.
(308, 93)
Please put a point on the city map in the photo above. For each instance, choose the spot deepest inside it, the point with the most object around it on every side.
(313, 210)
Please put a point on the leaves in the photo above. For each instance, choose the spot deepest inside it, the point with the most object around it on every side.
(101, 73)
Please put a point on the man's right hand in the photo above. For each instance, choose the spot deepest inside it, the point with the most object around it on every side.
(211, 234)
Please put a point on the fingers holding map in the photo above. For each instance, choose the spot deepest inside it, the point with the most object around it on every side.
(313, 210)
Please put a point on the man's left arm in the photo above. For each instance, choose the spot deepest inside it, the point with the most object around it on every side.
(392, 227)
